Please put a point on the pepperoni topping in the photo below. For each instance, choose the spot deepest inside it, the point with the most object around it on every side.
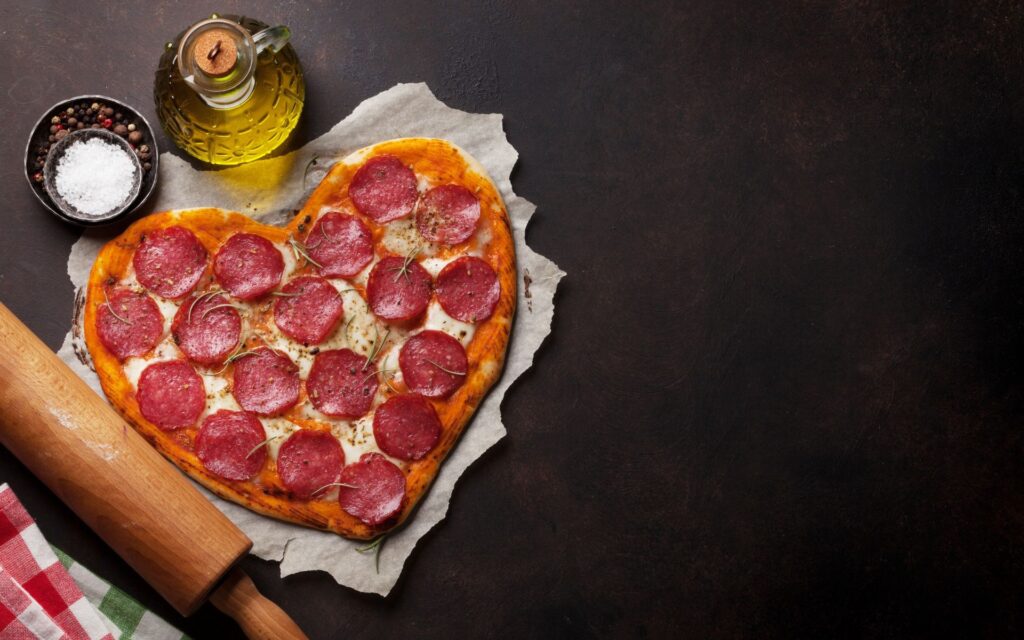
(266, 382)
(170, 261)
(309, 461)
(207, 328)
(341, 244)
(228, 445)
(384, 189)
(171, 394)
(433, 364)
(468, 289)
(340, 383)
(448, 214)
(406, 427)
(308, 310)
(379, 491)
(248, 266)
(128, 323)
(398, 288)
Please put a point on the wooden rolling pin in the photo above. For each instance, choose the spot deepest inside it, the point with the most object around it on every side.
(121, 487)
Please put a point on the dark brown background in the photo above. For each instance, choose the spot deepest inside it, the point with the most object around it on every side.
(783, 396)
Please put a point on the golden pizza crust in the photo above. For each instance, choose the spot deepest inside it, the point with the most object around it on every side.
(439, 160)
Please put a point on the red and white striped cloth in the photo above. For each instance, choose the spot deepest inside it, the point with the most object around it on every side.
(38, 598)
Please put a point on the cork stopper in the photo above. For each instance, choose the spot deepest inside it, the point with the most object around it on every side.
(215, 52)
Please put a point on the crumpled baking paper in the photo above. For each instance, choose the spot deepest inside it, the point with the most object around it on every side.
(271, 190)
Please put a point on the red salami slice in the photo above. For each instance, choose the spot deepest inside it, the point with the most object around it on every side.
(340, 384)
(248, 266)
(265, 382)
(170, 262)
(341, 244)
(433, 364)
(448, 214)
(406, 427)
(171, 394)
(308, 461)
(308, 309)
(228, 445)
(398, 289)
(128, 323)
(468, 289)
(207, 328)
(384, 189)
(380, 489)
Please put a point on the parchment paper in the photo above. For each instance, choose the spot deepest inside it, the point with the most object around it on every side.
(271, 190)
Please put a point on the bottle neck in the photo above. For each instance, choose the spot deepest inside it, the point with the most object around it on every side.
(217, 59)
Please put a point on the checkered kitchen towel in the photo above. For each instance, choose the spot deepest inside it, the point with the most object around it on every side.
(48, 590)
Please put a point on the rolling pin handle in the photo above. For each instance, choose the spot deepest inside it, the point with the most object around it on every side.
(259, 618)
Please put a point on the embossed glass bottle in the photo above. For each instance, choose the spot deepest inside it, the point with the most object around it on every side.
(229, 89)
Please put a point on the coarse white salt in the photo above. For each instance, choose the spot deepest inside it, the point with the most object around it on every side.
(94, 176)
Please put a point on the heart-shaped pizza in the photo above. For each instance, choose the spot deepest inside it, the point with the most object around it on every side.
(317, 373)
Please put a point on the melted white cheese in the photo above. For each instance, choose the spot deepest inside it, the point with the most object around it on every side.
(359, 331)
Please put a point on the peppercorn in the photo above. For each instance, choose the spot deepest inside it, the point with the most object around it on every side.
(60, 135)
(55, 120)
(53, 128)
(95, 106)
(144, 148)
(119, 117)
(147, 166)
(80, 125)
(72, 122)
(107, 122)
(135, 137)
(131, 127)
(70, 110)
(121, 130)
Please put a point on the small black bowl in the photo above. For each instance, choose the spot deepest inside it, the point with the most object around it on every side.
(40, 136)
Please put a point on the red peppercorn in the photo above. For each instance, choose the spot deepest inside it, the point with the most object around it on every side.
(107, 122)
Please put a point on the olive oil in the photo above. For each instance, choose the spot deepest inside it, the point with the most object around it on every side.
(227, 117)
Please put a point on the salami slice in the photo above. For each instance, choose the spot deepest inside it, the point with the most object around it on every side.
(406, 427)
(379, 491)
(309, 461)
(169, 262)
(128, 323)
(171, 394)
(468, 289)
(448, 214)
(384, 189)
(207, 328)
(340, 383)
(341, 244)
(308, 309)
(228, 445)
(433, 364)
(265, 382)
(248, 266)
(398, 288)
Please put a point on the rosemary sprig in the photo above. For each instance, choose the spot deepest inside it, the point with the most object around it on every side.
(110, 308)
(323, 232)
(334, 484)
(261, 445)
(404, 269)
(439, 366)
(238, 355)
(378, 344)
(221, 306)
(309, 165)
(300, 252)
(374, 546)
(375, 372)
(196, 301)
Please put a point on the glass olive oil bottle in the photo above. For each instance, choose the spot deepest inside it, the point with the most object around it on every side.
(229, 89)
